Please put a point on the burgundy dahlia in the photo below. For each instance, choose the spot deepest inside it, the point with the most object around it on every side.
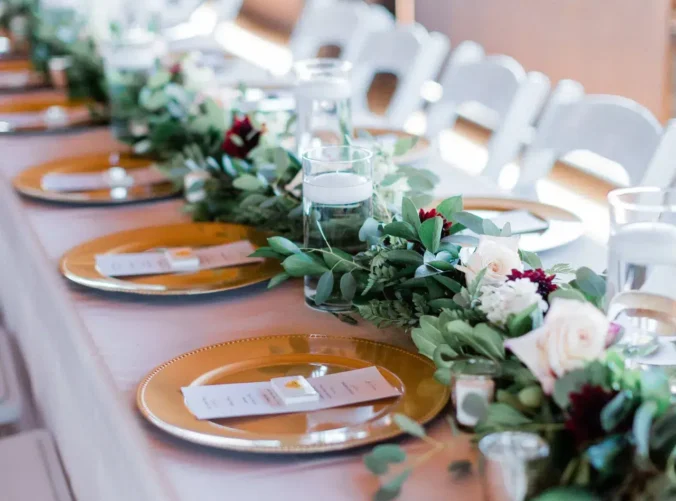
(545, 283)
(248, 138)
(432, 213)
(584, 414)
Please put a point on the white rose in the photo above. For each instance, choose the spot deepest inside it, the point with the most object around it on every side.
(510, 298)
(499, 255)
(573, 333)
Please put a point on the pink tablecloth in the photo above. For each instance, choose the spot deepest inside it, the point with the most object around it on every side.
(87, 351)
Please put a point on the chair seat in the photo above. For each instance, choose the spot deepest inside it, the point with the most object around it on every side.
(10, 393)
(30, 469)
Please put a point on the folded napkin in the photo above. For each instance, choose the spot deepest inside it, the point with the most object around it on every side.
(88, 181)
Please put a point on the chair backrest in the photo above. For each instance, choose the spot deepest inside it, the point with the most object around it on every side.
(343, 23)
(499, 84)
(612, 127)
(411, 54)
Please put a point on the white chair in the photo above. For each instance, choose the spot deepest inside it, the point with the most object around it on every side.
(613, 127)
(190, 25)
(343, 23)
(498, 86)
(10, 392)
(410, 53)
(30, 469)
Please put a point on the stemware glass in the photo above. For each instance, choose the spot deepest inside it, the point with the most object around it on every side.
(640, 293)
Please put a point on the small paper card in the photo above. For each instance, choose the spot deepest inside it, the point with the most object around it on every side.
(87, 181)
(260, 399)
(521, 221)
(157, 263)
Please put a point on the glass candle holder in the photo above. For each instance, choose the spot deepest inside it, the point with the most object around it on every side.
(323, 103)
(337, 193)
(513, 465)
(473, 388)
(128, 63)
(642, 266)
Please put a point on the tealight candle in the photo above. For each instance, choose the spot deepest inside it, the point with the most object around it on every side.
(472, 377)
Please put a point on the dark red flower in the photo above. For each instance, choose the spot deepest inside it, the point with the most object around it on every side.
(175, 69)
(432, 213)
(241, 138)
(583, 419)
(545, 283)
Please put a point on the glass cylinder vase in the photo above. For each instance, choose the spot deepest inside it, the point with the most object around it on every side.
(128, 63)
(642, 266)
(337, 193)
(323, 103)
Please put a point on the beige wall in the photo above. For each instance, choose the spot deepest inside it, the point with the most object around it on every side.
(611, 46)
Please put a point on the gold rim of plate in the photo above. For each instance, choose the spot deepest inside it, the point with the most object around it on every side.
(78, 264)
(39, 103)
(29, 181)
(160, 401)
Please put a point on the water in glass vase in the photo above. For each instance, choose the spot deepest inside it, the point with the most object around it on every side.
(335, 206)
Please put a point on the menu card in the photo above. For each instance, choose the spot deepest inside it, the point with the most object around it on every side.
(87, 181)
(521, 221)
(260, 399)
(157, 263)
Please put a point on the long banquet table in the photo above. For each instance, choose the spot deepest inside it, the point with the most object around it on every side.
(86, 351)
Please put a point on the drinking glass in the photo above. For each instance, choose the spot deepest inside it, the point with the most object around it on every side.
(337, 192)
(640, 293)
(128, 63)
(323, 103)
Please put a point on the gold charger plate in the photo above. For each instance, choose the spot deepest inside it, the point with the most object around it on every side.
(78, 264)
(29, 108)
(260, 359)
(564, 226)
(29, 181)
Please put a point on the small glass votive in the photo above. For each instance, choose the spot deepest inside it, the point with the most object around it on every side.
(472, 378)
(128, 63)
(58, 71)
(513, 465)
(337, 200)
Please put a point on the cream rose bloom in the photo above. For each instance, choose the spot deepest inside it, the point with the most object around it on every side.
(573, 333)
(499, 255)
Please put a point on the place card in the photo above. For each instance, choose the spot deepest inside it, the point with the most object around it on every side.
(103, 180)
(521, 221)
(260, 399)
(157, 263)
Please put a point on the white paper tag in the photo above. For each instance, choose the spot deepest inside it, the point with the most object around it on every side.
(99, 180)
(156, 263)
(259, 399)
(521, 221)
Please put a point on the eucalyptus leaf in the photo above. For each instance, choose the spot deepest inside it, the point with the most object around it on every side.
(409, 426)
(490, 228)
(531, 259)
(590, 283)
(521, 323)
(404, 144)
(501, 415)
(443, 376)
(299, 265)
(566, 494)
(267, 252)
(324, 288)
(617, 410)
(401, 229)
(567, 384)
(506, 230)
(283, 245)
(450, 206)
(247, 182)
(475, 406)
(470, 221)
(391, 453)
(442, 303)
(430, 233)
(566, 293)
(410, 213)
(449, 283)
(404, 256)
(420, 183)
(278, 279)
(392, 489)
(643, 420)
(444, 355)
(348, 286)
